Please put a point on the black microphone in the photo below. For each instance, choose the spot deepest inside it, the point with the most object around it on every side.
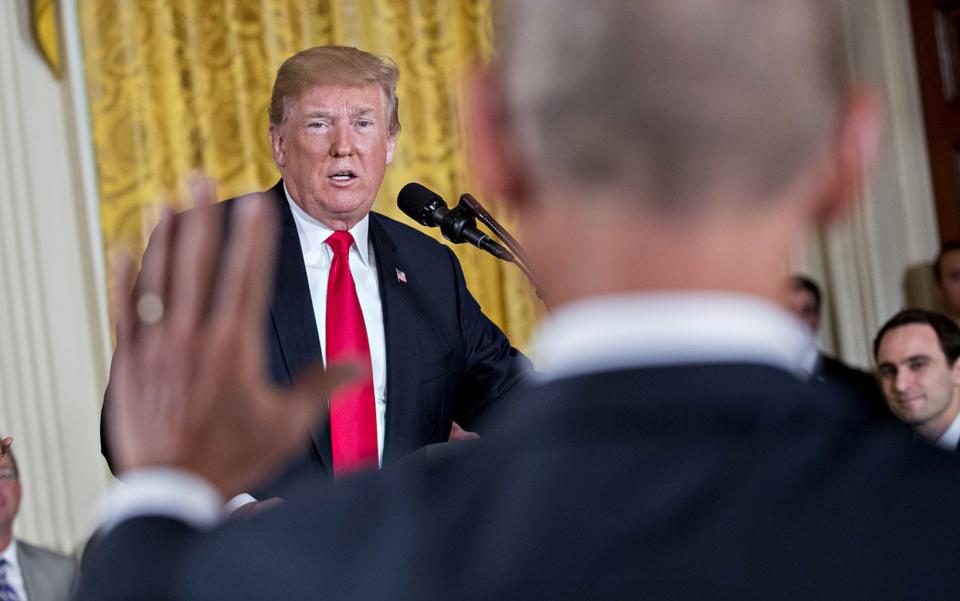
(458, 225)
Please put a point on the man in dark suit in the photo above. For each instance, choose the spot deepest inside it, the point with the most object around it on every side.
(670, 449)
(433, 356)
(803, 298)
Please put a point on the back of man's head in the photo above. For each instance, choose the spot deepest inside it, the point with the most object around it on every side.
(657, 102)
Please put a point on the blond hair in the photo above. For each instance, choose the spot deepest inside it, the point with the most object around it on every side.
(334, 65)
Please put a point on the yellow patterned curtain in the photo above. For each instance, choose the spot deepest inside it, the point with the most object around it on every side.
(184, 84)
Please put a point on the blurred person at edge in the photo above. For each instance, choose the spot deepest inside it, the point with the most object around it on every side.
(946, 275)
(803, 298)
(27, 572)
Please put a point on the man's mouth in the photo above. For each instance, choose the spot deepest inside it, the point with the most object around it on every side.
(343, 176)
(910, 400)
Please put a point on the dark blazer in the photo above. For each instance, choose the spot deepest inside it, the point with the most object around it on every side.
(446, 361)
(679, 482)
(860, 387)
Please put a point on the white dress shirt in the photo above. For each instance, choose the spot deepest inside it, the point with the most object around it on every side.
(950, 439)
(13, 570)
(629, 330)
(317, 257)
(591, 335)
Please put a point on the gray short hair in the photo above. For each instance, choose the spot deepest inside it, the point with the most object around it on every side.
(659, 99)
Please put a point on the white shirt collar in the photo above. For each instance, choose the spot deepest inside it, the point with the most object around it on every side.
(313, 232)
(10, 554)
(951, 438)
(617, 332)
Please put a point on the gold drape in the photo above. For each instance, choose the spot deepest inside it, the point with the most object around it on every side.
(184, 84)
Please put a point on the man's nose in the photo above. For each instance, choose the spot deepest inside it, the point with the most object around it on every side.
(902, 380)
(341, 142)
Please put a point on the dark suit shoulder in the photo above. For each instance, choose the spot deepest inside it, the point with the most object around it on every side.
(403, 235)
(684, 482)
(676, 482)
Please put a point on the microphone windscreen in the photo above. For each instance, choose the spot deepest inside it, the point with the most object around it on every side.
(413, 199)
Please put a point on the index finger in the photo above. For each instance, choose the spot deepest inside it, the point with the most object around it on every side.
(248, 267)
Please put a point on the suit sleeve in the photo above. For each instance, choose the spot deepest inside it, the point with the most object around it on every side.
(492, 367)
(136, 560)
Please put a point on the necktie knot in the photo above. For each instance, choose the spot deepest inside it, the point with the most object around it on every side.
(340, 242)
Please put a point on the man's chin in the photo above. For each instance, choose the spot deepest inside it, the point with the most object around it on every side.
(335, 209)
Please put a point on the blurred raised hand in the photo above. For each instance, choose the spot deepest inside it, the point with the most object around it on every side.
(189, 387)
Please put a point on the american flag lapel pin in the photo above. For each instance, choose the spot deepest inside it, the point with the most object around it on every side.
(401, 277)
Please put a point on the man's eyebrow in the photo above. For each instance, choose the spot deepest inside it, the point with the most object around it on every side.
(909, 359)
(359, 111)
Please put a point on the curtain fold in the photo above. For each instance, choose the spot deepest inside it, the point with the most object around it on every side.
(178, 85)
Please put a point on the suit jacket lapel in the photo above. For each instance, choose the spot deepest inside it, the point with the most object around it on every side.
(399, 317)
(34, 585)
(292, 316)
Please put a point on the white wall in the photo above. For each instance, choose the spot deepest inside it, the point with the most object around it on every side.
(53, 347)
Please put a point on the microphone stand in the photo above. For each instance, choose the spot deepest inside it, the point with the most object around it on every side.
(519, 256)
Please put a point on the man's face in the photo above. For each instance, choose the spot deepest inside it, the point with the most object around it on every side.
(332, 149)
(803, 304)
(950, 281)
(920, 386)
(10, 493)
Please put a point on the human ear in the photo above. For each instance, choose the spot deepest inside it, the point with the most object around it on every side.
(277, 145)
(854, 151)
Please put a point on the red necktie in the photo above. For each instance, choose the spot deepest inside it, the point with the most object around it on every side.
(353, 419)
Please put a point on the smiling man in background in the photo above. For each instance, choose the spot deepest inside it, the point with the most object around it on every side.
(916, 353)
